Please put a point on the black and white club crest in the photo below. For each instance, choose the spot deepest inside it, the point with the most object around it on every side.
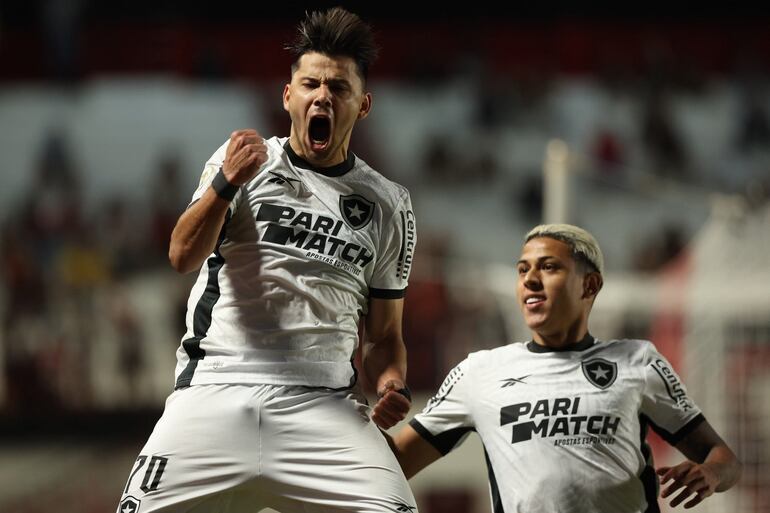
(356, 210)
(129, 505)
(600, 373)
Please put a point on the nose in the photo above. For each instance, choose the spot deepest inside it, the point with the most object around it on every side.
(323, 97)
(531, 279)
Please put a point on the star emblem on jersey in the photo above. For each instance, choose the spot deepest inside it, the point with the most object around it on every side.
(129, 505)
(356, 210)
(600, 373)
(509, 382)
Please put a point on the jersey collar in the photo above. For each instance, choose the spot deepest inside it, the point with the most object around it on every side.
(584, 344)
(336, 170)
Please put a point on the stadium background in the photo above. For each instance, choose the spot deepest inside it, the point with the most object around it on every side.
(658, 126)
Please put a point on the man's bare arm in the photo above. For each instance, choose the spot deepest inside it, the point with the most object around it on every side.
(197, 230)
(384, 360)
(412, 451)
(711, 467)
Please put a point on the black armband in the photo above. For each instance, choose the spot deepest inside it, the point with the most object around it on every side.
(222, 187)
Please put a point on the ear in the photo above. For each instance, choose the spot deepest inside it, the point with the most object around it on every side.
(286, 95)
(592, 284)
(366, 106)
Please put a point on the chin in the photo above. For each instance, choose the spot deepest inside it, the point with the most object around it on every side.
(533, 322)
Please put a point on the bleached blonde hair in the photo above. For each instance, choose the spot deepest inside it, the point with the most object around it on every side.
(585, 248)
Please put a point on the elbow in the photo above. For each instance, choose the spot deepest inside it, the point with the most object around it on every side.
(180, 260)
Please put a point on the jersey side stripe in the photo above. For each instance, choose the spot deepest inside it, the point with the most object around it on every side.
(647, 477)
(494, 490)
(202, 314)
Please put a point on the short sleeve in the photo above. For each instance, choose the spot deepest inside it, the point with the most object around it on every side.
(446, 420)
(394, 260)
(209, 171)
(665, 402)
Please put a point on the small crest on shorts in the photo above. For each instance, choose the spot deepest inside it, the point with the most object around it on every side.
(129, 505)
(600, 373)
(356, 210)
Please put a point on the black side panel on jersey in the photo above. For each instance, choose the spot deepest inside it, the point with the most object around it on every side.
(494, 490)
(202, 314)
(647, 477)
(443, 442)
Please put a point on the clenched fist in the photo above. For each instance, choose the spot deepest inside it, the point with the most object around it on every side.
(245, 154)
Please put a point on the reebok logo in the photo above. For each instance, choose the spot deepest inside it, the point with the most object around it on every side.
(509, 382)
(280, 180)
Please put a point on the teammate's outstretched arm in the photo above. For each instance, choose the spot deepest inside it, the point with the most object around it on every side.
(412, 451)
(384, 360)
(195, 234)
(711, 467)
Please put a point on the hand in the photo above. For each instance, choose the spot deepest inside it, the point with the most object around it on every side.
(700, 480)
(245, 154)
(392, 406)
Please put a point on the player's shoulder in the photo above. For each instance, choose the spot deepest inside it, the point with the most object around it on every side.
(496, 356)
(631, 349)
(392, 193)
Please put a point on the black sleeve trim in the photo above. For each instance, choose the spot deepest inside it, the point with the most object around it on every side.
(443, 442)
(675, 438)
(687, 429)
(387, 293)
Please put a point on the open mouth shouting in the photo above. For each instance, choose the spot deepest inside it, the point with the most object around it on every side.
(319, 132)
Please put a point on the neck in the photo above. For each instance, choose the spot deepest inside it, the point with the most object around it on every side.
(562, 339)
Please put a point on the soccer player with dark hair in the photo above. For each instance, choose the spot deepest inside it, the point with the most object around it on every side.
(297, 239)
(563, 418)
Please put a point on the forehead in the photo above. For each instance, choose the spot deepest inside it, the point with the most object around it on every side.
(542, 247)
(322, 66)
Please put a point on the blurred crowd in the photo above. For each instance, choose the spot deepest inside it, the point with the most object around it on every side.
(68, 264)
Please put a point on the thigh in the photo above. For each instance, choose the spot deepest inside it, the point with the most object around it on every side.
(203, 450)
(322, 451)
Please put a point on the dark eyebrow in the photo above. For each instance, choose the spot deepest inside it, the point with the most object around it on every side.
(338, 82)
(541, 259)
(331, 81)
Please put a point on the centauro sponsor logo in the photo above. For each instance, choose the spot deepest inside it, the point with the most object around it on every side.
(407, 245)
(557, 417)
(315, 233)
(673, 385)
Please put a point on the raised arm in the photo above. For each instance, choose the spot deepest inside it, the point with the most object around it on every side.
(197, 230)
(384, 361)
(711, 467)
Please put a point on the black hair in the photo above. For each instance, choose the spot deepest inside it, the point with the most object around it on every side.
(336, 32)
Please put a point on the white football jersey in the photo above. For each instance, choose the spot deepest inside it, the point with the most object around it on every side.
(564, 431)
(301, 252)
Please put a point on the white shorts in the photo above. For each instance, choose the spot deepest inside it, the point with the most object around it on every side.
(242, 448)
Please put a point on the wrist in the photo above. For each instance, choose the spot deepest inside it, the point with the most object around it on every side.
(397, 386)
(222, 187)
